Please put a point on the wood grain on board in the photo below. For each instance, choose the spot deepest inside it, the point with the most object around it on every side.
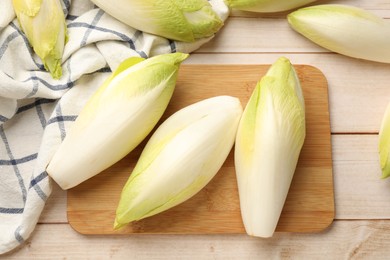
(215, 209)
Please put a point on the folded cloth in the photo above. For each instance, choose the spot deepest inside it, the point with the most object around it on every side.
(36, 111)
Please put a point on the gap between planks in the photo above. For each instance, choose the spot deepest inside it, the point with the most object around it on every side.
(355, 133)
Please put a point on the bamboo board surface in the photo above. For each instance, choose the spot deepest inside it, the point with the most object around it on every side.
(310, 203)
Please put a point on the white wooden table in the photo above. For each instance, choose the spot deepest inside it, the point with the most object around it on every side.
(359, 92)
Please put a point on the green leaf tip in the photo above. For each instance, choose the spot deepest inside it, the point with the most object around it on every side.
(44, 24)
(384, 144)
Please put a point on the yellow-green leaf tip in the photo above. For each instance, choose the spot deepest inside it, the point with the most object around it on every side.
(384, 144)
(43, 22)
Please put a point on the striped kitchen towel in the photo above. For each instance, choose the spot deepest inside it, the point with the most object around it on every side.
(37, 111)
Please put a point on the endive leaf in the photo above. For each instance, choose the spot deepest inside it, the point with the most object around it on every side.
(181, 157)
(27, 7)
(384, 144)
(266, 5)
(347, 30)
(126, 64)
(182, 20)
(116, 118)
(268, 143)
(43, 22)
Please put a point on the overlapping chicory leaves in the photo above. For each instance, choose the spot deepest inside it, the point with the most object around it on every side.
(270, 136)
(117, 118)
(43, 22)
(182, 20)
(181, 157)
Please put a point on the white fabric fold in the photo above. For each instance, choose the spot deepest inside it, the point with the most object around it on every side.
(36, 111)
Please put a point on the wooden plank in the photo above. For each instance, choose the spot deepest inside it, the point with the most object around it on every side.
(376, 6)
(309, 206)
(343, 240)
(360, 192)
(357, 102)
(258, 35)
(366, 4)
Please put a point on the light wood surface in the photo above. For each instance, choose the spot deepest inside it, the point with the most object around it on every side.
(359, 92)
(309, 206)
(361, 239)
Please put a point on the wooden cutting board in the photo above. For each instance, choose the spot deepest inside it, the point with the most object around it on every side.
(215, 209)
